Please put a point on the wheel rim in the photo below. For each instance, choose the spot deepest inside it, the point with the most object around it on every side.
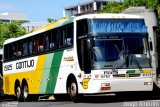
(73, 90)
(18, 92)
(25, 92)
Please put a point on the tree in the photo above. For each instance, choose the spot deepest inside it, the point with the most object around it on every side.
(10, 30)
(117, 7)
(50, 20)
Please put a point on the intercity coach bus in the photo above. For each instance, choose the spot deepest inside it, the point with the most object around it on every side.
(80, 55)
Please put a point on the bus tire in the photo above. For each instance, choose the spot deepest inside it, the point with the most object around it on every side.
(156, 90)
(72, 90)
(25, 92)
(18, 94)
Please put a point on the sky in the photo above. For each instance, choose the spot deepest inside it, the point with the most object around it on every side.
(38, 10)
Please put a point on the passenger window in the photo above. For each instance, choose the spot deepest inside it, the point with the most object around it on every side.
(30, 46)
(19, 45)
(25, 48)
(50, 40)
(47, 42)
(36, 44)
(54, 35)
(62, 35)
(6, 51)
(41, 43)
(10, 51)
(69, 38)
(15, 49)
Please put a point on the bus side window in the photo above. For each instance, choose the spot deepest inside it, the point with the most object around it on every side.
(53, 39)
(15, 49)
(30, 46)
(82, 27)
(47, 42)
(69, 36)
(25, 48)
(41, 43)
(6, 51)
(62, 35)
(10, 51)
(19, 52)
(36, 42)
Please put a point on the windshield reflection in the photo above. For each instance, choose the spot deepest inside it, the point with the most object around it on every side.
(121, 52)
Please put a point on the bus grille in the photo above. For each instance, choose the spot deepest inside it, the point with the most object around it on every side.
(126, 75)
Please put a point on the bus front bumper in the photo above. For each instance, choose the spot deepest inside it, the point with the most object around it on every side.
(117, 85)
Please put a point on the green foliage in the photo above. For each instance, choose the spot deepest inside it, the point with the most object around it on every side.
(113, 7)
(50, 20)
(117, 7)
(10, 30)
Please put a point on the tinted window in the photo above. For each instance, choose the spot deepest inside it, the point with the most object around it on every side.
(30, 46)
(25, 48)
(41, 43)
(36, 43)
(82, 27)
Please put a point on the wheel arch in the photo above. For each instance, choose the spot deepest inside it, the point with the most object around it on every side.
(24, 82)
(17, 83)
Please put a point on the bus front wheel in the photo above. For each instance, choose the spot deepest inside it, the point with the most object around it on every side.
(72, 90)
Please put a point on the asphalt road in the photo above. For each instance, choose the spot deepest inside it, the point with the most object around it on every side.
(91, 101)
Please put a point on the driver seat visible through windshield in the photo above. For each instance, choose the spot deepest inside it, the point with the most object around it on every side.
(108, 53)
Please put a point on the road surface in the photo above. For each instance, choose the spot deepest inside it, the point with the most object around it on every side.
(91, 101)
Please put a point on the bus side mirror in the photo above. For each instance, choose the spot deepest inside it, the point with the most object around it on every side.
(151, 46)
(87, 56)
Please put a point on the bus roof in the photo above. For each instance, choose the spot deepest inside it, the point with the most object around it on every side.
(109, 16)
(56, 24)
(68, 20)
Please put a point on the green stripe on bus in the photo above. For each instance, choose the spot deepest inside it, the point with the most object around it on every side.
(46, 72)
(65, 22)
(54, 72)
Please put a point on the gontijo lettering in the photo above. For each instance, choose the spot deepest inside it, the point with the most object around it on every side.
(28, 64)
(25, 64)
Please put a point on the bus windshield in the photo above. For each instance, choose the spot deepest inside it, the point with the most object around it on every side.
(119, 44)
(113, 53)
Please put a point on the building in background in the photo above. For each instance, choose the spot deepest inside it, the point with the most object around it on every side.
(92, 6)
(9, 17)
(28, 25)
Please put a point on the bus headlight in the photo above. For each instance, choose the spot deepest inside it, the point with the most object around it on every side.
(147, 83)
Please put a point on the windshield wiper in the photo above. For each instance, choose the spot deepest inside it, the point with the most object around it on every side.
(129, 58)
(124, 54)
(135, 61)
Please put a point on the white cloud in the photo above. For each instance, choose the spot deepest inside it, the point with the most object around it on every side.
(6, 6)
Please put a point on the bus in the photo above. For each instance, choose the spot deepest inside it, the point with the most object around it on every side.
(80, 55)
(1, 78)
